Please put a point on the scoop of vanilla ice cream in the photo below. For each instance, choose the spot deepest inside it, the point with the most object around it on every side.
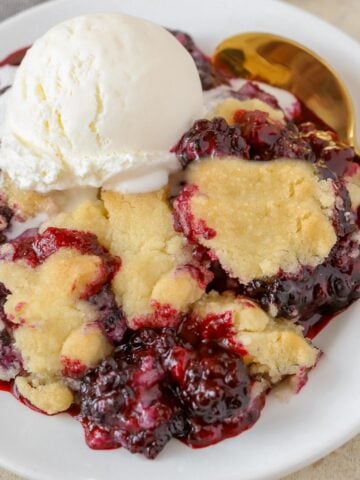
(100, 100)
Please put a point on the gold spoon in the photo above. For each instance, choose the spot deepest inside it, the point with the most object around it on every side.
(286, 64)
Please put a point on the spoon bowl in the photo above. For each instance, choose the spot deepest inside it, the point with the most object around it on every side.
(286, 64)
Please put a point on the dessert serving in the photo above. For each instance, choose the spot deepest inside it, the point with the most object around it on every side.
(172, 239)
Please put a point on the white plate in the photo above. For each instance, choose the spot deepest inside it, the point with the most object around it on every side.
(288, 436)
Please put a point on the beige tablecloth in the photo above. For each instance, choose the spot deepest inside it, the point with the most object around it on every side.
(344, 464)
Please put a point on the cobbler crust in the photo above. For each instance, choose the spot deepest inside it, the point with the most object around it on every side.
(50, 316)
(85, 347)
(259, 217)
(158, 277)
(154, 258)
(274, 348)
(228, 108)
(48, 395)
(28, 203)
(87, 217)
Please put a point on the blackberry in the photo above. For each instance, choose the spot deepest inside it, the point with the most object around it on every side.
(313, 292)
(213, 382)
(209, 76)
(269, 140)
(211, 138)
(126, 397)
(10, 358)
(111, 317)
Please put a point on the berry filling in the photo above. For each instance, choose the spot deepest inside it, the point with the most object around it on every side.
(212, 383)
(254, 136)
(250, 91)
(184, 219)
(111, 317)
(73, 368)
(209, 76)
(211, 138)
(33, 251)
(268, 140)
(312, 293)
(6, 215)
(155, 387)
(196, 380)
(125, 398)
(10, 358)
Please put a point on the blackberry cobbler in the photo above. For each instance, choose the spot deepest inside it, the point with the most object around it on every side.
(174, 313)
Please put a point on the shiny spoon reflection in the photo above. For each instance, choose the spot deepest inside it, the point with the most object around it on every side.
(286, 64)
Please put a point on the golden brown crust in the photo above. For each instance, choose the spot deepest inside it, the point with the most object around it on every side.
(28, 203)
(86, 345)
(228, 108)
(48, 395)
(267, 215)
(52, 320)
(275, 348)
(87, 217)
(154, 274)
(151, 251)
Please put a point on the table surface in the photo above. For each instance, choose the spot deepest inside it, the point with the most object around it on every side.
(343, 464)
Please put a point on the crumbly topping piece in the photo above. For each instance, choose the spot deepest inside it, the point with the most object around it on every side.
(279, 350)
(83, 349)
(274, 348)
(28, 203)
(258, 217)
(53, 323)
(87, 217)
(245, 313)
(158, 278)
(228, 108)
(48, 395)
(45, 302)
